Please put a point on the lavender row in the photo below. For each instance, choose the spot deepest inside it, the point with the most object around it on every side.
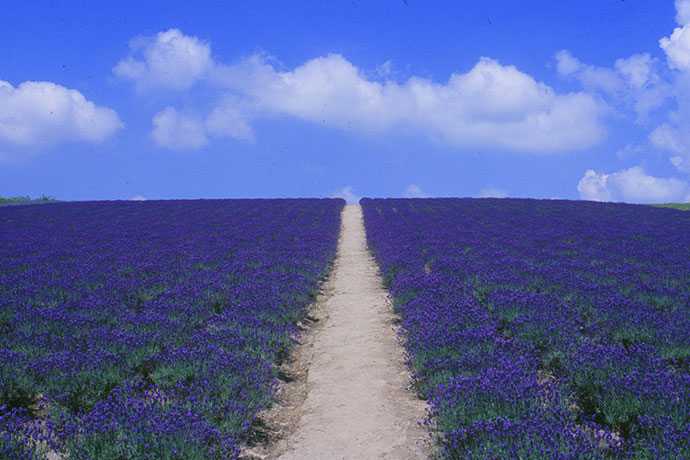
(543, 328)
(151, 329)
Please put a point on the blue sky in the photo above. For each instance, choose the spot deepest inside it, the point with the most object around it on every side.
(571, 99)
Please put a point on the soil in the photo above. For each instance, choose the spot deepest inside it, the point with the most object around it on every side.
(346, 393)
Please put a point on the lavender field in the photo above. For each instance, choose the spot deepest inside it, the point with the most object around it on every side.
(543, 329)
(151, 329)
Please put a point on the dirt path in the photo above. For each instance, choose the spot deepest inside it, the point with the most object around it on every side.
(357, 404)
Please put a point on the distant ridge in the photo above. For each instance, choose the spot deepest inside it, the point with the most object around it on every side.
(16, 200)
(680, 206)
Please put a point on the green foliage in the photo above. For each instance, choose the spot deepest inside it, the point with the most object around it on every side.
(17, 389)
(28, 199)
(14, 447)
(129, 441)
(81, 391)
(14, 199)
(627, 335)
(555, 361)
(679, 206)
(677, 355)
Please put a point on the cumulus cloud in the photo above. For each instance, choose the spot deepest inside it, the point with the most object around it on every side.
(646, 84)
(348, 194)
(666, 137)
(631, 185)
(683, 12)
(178, 130)
(137, 198)
(36, 115)
(169, 60)
(673, 135)
(592, 78)
(593, 187)
(677, 45)
(681, 163)
(633, 81)
(413, 191)
(493, 192)
(230, 119)
(490, 106)
(676, 141)
(677, 48)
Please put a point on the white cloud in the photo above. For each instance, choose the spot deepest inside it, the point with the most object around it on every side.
(385, 69)
(490, 106)
(36, 115)
(413, 191)
(137, 198)
(188, 130)
(677, 48)
(633, 81)
(230, 119)
(178, 130)
(637, 70)
(680, 163)
(567, 64)
(169, 60)
(629, 151)
(348, 194)
(631, 185)
(677, 45)
(683, 12)
(592, 78)
(666, 138)
(642, 83)
(493, 192)
(673, 136)
(594, 187)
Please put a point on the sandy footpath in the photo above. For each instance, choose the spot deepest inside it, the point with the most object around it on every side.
(357, 403)
(345, 394)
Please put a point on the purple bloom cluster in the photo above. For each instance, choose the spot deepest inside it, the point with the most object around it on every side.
(543, 329)
(151, 329)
